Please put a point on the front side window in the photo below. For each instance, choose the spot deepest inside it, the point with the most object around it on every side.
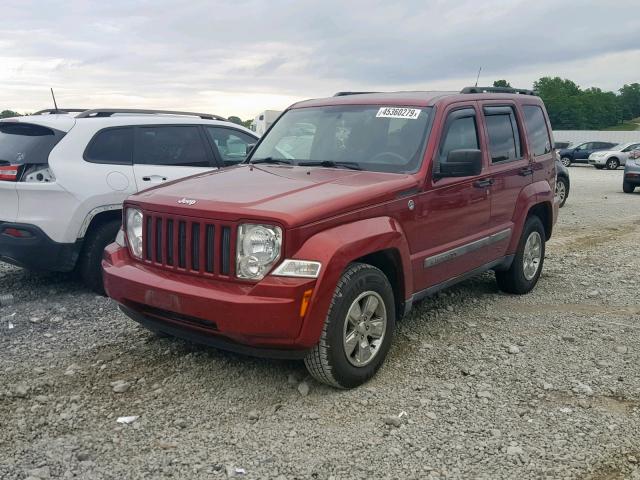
(631, 147)
(231, 144)
(537, 132)
(25, 143)
(112, 146)
(461, 134)
(367, 137)
(171, 145)
(504, 137)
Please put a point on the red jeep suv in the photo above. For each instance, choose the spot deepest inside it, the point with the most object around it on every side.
(349, 210)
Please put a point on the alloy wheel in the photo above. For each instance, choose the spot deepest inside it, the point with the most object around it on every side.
(532, 255)
(364, 328)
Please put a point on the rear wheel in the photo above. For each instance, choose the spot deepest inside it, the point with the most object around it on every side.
(628, 187)
(566, 161)
(526, 267)
(90, 261)
(613, 164)
(562, 190)
(358, 329)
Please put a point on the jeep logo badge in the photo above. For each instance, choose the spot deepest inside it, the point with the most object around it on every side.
(187, 201)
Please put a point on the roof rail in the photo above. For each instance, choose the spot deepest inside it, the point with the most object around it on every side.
(520, 91)
(53, 111)
(107, 112)
(344, 94)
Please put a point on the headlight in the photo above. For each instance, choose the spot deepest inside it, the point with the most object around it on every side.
(120, 241)
(134, 231)
(258, 249)
(298, 268)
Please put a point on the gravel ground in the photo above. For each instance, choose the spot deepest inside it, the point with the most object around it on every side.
(478, 384)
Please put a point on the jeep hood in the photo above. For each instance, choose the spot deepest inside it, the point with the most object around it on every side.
(290, 195)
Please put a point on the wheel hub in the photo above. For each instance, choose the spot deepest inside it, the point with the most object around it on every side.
(364, 328)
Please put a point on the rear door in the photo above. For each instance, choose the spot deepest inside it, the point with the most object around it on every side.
(583, 151)
(624, 155)
(510, 168)
(452, 214)
(169, 152)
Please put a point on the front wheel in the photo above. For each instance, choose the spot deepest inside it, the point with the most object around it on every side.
(627, 187)
(599, 167)
(526, 267)
(613, 164)
(90, 262)
(358, 329)
(566, 161)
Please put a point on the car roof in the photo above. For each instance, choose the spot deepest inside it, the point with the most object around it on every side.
(411, 98)
(65, 121)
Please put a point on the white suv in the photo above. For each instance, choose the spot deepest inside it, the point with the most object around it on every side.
(612, 158)
(65, 173)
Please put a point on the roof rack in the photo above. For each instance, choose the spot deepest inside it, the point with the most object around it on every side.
(520, 91)
(54, 111)
(344, 94)
(107, 112)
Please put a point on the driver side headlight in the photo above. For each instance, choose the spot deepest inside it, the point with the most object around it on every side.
(258, 248)
(134, 231)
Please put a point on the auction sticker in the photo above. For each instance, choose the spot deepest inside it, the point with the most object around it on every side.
(398, 112)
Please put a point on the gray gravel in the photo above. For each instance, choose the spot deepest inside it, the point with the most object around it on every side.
(478, 384)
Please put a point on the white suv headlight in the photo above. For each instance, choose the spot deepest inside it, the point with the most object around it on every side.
(258, 248)
(134, 231)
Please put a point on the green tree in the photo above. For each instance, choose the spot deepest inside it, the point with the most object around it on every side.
(235, 120)
(8, 114)
(629, 101)
(247, 123)
(501, 83)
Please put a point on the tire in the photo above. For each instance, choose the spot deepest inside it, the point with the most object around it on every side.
(613, 164)
(90, 261)
(329, 361)
(599, 167)
(628, 187)
(566, 161)
(562, 190)
(519, 279)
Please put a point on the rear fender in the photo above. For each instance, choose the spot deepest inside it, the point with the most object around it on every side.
(336, 248)
(530, 196)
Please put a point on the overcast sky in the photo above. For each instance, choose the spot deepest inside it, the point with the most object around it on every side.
(243, 56)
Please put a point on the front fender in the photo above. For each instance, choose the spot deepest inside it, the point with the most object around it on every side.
(336, 248)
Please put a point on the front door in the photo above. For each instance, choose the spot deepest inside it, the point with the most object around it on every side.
(169, 152)
(452, 214)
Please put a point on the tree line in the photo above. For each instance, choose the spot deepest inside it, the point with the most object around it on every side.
(572, 108)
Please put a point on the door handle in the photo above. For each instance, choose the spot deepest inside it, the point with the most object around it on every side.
(525, 171)
(154, 178)
(484, 183)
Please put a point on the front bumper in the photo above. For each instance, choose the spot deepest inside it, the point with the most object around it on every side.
(597, 161)
(262, 319)
(36, 251)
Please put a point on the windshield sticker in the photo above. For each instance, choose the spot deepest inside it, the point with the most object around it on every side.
(398, 112)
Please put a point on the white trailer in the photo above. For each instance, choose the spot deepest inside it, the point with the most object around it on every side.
(263, 121)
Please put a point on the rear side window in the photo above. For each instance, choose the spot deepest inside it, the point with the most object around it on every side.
(171, 145)
(25, 143)
(536, 130)
(504, 137)
(231, 144)
(113, 146)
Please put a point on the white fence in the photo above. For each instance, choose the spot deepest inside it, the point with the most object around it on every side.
(580, 136)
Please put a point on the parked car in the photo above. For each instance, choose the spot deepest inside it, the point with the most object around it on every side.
(64, 176)
(562, 183)
(634, 154)
(315, 255)
(614, 157)
(580, 153)
(631, 177)
(561, 145)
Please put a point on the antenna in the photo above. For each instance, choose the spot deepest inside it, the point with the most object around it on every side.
(477, 78)
(56, 105)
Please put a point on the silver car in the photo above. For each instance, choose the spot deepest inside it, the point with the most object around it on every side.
(631, 178)
(614, 157)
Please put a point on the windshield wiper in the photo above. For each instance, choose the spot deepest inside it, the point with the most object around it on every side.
(277, 161)
(331, 164)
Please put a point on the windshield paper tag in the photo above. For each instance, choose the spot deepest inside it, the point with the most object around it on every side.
(398, 112)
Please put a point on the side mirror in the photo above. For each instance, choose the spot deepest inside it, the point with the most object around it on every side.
(249, 147)
(461, 163)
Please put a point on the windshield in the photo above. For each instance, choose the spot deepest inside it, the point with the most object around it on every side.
(367, 137)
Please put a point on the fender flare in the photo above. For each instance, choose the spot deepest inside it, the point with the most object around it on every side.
(335, 249)
(90, 216)
(533, 194)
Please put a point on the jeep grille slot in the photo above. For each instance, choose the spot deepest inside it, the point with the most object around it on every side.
(190, 245)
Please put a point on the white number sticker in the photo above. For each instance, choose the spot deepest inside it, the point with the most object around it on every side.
(398, 112)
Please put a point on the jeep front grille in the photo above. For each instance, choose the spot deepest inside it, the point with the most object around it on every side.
(187, 244)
